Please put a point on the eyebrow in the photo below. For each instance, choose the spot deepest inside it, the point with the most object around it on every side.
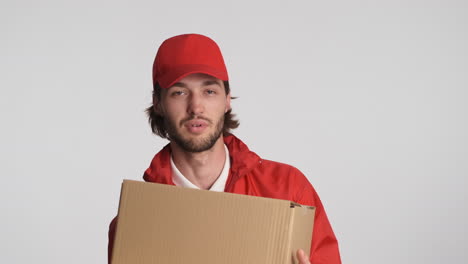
(179, 84)
(210, 82)
(205, 83)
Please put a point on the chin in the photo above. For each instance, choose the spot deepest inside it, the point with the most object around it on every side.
(197, 144)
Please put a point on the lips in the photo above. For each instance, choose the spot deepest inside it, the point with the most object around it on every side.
(196, 125)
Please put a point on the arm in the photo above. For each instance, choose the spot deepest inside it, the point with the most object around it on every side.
(110, 245)
(324, 246)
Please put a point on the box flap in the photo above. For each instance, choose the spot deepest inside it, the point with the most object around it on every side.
(302, 227)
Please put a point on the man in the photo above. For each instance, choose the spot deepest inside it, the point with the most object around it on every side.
(192, 108)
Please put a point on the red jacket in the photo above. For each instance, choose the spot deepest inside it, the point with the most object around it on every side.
(252, 175)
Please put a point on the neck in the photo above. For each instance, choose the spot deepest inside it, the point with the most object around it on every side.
(201, 168)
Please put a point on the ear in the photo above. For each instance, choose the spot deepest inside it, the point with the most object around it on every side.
(157, 106)
(228, 102)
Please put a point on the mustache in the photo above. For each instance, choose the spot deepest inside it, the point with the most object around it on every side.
(190, 118)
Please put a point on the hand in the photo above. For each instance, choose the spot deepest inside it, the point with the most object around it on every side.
(301, 256)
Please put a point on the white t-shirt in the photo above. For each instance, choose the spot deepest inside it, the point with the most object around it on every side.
(179, 179)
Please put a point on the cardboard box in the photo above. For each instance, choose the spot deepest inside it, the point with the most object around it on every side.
(173, 225)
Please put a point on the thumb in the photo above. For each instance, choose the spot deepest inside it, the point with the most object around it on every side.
(301, 256)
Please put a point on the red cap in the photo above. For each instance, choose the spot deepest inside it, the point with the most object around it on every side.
(186, 54)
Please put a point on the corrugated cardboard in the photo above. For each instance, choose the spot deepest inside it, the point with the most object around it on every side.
(173, 225)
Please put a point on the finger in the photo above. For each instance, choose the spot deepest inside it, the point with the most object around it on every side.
(301, 256)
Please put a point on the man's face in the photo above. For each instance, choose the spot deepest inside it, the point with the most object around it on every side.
(193, 111)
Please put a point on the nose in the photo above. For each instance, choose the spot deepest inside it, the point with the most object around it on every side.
(195, 105)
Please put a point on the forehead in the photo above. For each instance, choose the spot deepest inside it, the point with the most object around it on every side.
(198, 78)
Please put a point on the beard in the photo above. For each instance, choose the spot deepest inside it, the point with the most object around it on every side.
(197, 144)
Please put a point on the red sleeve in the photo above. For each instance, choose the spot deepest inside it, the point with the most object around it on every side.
(324, 247)
(110, 245)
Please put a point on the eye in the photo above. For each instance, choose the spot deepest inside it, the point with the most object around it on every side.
(177, 93)
(210, 91)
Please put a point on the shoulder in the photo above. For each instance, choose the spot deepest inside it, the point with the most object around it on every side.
(280, 180)
(279, 169)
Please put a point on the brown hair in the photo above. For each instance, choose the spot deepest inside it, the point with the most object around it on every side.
(156, 120)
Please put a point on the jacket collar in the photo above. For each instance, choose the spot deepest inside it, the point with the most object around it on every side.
(242, 161)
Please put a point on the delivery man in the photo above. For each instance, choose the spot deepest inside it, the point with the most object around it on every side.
(192, 109)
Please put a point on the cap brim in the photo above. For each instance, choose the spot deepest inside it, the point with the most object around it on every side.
(175, 75)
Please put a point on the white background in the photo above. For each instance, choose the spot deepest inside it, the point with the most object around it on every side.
(367, 98)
